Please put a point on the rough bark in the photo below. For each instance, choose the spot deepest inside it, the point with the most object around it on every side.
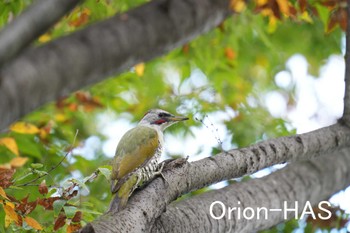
(33, 22)
(148, 204)
(43, 74)
(308, 181)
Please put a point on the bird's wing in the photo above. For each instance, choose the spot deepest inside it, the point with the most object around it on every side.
(135, 148)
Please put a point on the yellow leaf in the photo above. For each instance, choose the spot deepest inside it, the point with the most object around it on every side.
(11, 213)
(18, 161)
(306, 17)
(59, 117)
(3, 194)
(44, 38)
(10, 144)
(237, 5)
(33, 223)
(140, 69)
(8, 221)
(284, 6)
(24, 127)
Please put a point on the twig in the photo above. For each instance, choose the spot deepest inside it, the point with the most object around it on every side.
(54, 167)
(214, 130)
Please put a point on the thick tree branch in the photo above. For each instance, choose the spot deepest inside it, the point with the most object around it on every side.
(33, 22)
(314, 181)
(346, 114)
(43, 74)
(150, 202)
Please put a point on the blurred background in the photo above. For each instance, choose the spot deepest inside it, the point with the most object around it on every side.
(252, 78)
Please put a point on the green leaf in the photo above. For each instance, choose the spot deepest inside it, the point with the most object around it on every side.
(36, 165)
(106, 171)
(70, 211)
(57, 206)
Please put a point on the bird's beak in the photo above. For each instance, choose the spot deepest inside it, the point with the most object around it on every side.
(177, 118)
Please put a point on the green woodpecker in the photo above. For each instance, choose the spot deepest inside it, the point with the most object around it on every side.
(136, 160)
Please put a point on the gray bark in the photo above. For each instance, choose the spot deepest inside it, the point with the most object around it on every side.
(346, 114)
(33, 22)
(43, 74)
(147, 205)
(309, 181)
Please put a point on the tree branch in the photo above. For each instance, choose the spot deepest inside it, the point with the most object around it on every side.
(314, 181)
(346, 114)
(109, 47)
(33, 22)
(145, 206)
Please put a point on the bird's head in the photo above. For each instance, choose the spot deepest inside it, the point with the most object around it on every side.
(161, 119)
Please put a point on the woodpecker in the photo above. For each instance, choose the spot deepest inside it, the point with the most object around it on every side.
(136, 160)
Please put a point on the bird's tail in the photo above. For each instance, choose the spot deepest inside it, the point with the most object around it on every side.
(123, 192)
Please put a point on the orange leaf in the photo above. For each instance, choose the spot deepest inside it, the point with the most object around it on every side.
(229, 53)
(11, 213)
(18, 161)
(140, 69)
(10, 144)
(3, 194)
(283, 5)
(24, 127)
(33, 223)
(82, 19)
(73, 228)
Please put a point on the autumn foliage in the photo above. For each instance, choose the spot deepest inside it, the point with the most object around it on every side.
(37, 188)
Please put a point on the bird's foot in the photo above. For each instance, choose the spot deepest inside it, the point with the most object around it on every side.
(159, 172)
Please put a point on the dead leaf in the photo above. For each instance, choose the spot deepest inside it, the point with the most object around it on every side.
(6, 177)
(26, 207)
(77, 216)
(60, 221)
(47, 203)
(10, 144)
(43, 188)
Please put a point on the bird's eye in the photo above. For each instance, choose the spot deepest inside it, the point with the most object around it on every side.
(163, 114)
